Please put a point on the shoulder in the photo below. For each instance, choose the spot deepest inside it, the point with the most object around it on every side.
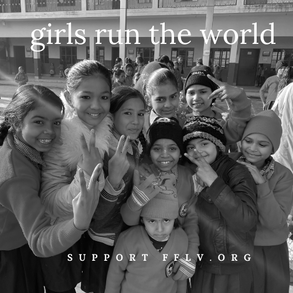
(283, 172)
(132, 234)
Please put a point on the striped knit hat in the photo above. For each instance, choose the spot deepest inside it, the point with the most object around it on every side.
(206, 128)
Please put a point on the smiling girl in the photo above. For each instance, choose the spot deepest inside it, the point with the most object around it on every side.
(274, 181)
(32, 124)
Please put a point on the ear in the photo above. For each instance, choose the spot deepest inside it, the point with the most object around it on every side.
(68, 98)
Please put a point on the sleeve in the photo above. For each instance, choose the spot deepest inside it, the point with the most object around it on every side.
(117, 269)
(236, 201)
(130, 217)
(275, 204)
(21, 198)
(239, 115)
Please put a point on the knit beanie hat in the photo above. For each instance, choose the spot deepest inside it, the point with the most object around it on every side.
(206, 128)
(267, 123)
(198, 75)
(165, 204)
(168, 128)
(146, 72)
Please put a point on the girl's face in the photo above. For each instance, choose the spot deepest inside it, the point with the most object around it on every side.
(121, 78)
(129, 119)
(41, 127)
(256, 148)
(158, 228)
(197, 98)
(202, 147)
(165, 100)
(129, 71)
(91, 100)
(165, 154)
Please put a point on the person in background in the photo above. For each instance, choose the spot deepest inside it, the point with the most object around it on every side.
(199, 62)
(21, 77)
(217, 71)
(164, 59)
(285, 78)
(177, 75)
(258, 75)
(119, 78)
(270, 86)
(129, 71)
(139, 64)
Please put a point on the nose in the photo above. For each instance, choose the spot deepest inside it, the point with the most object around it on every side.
(95, 104)
(165, 153)
(49, 129)
(135, 119)
(159, 226)
(167, 103)
(253, 147)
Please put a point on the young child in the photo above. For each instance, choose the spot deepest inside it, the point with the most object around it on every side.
(165, 150)
(127, 108)
(128, 69)
(144, 255)
(260, 140)
(201, 89)
(32, 124)
(226, 207)
(87, 103)
(21, 77)
(119, 78)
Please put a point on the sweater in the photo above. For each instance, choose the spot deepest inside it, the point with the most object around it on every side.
(274, 202)
(136, 266)
(22, 216)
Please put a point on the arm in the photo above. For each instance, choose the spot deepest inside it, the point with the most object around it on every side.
(262, 92)
(236, 201)
(275, 204)
(117, 269)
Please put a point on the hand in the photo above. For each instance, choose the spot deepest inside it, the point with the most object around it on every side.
(225, 90)
(85, 203)
(258, 178)
(204, 170)
(90, 155)
(145, 171)
(143, 190)
(183, 269)
(118, 164)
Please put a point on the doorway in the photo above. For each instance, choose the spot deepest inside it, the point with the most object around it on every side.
(115, 54)
(19, 58)
(247, 67)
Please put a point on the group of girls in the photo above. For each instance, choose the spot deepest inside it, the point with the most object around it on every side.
(217, 222)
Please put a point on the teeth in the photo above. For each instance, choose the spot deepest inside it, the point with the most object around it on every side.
(165, 163)
(45, 141)
(94, 115)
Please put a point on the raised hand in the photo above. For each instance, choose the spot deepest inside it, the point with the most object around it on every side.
(85, 203)
(258, 178)
(118, 164)
(90, 155)
(225, 90)
(204, 170)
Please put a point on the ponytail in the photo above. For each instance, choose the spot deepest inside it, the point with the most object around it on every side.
(4, 127)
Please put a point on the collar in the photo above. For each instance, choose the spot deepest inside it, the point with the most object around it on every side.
(28, 151)
(268, 170)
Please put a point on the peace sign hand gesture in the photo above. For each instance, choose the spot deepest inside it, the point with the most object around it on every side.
(258, 178)
(118, 164)
(204, 170)
(90, 155)
(225, 90)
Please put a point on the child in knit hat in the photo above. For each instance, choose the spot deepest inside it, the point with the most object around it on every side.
(226, 208)
(201, 90)
(164, 173)
(144, 255)
(274, 181)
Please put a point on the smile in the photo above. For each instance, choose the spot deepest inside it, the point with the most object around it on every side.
(45, 141)
(94, 115)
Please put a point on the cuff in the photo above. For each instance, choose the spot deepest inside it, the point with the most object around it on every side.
(109, 193)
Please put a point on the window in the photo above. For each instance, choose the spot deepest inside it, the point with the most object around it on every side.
(68, 54)
(100, 54)
(44, 55)
(42, 3)
(220, 56)
(144, 1)
(282, 54)
(146, 53)
(66, 3)
(187, 55)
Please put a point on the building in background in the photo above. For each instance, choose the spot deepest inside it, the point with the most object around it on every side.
(72, 30)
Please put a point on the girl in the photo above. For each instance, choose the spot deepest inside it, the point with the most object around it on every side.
(87, 103)
(261, 138)
(32, 124)
(119, 78)
(127, 107)
(165, 150)
(201, 90)
(152, 245)
(226, 207)
(128, 69)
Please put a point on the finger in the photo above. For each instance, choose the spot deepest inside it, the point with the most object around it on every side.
(82, 183)
(125, 147)
(95, 176)
(216, 81)
(215, 94)
(120, 144)
(192, 159)
(84, 148)
(92, 141)
(136, 179)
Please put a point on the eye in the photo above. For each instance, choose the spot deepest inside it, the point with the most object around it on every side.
(127, 113)
(85, 97)
(141, 114)
(190, 148)
(247, 140)
(156, 149)
(173, 149)
(151, 221)
(166, 221)
(105, 98)
(57, 123)
(174, 96)
(40, 122)
(160, 100)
